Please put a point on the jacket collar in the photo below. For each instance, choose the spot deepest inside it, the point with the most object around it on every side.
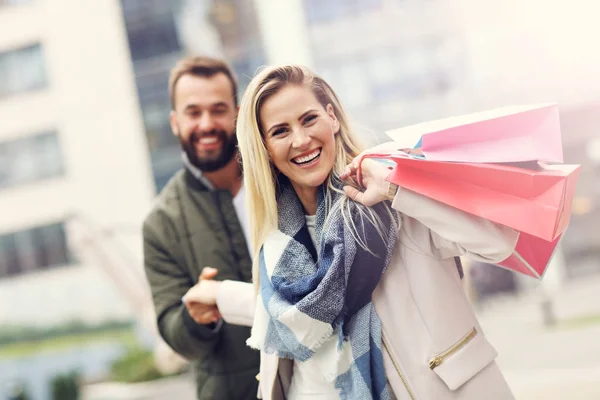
(195, 171)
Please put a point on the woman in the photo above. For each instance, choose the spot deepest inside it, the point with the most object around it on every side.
(358, 297)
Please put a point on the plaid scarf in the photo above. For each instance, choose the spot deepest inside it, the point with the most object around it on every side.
(316, 303)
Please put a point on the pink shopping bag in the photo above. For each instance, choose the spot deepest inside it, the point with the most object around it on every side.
(534, 202)
(508, 134)
(531, 255)
(537, 203)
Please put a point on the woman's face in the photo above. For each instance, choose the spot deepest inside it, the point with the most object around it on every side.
(300, 136)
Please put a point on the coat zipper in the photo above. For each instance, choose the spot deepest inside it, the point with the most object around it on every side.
(438, 359)
(398, 371)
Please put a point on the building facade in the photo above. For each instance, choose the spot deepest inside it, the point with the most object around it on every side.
(159, 32)
(72, 148)
(393, 62)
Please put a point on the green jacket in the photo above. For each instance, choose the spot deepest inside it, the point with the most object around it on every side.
(191, 227)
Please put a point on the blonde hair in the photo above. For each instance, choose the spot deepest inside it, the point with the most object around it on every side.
(260, 176)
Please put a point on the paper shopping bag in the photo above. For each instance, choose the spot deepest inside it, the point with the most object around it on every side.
(508, 134)
(535, 202)
(531, 256)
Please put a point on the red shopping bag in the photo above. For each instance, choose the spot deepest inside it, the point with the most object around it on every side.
(537, 203)
(507, 134)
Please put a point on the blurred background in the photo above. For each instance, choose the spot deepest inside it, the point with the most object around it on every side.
(85, 145)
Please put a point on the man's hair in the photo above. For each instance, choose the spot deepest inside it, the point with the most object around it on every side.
(203, 67)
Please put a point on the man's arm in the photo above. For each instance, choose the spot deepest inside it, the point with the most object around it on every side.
(168, 283)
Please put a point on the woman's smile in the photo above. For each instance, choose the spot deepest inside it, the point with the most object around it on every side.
(308, 158)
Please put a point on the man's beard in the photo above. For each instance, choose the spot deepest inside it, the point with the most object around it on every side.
(211, 163)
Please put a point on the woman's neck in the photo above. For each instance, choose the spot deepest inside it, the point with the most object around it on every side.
(308, 198)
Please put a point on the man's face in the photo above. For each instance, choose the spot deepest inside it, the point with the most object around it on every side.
(204, 120)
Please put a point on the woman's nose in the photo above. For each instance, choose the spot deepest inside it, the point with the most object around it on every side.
(301, 139)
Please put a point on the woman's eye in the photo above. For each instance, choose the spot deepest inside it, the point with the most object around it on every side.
(309, 119)
(278, 131)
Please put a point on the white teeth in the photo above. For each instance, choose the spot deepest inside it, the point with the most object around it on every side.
(310, 157)
(208, 140)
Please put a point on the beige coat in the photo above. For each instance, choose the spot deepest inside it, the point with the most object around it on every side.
(434, 346)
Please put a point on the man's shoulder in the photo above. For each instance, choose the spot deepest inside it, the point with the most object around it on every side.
(166, 203)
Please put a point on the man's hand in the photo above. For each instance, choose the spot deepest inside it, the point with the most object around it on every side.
(201, 299)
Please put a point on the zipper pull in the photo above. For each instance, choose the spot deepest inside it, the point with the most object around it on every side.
(435, 362)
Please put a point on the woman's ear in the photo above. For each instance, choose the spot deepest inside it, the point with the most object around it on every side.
(335, 123)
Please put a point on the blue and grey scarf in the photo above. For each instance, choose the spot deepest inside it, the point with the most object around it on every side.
(316, 303)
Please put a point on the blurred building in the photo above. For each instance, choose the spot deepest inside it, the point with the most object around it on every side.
(392, 62)
(543, 58)
(84, 103)
(72, 149)
(581, 128)
(159, 32)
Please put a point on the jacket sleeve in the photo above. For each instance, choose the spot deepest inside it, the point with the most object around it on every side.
(444, 231)
(168, 283)
(236, 302)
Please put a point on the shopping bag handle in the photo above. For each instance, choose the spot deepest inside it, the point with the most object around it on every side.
(375, 155)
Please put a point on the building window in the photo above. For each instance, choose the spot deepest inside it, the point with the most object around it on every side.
(153, 91)
(13, 2)
(319, 11)
(34, 249)
(165, 151)
(153, 40)
(30, 159)
(22, 70)
(151, 31)
(159, 32)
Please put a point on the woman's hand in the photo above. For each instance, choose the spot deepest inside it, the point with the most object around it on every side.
(201, 299)
(373, 174)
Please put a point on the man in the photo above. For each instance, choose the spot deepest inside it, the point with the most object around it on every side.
(197, 222)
